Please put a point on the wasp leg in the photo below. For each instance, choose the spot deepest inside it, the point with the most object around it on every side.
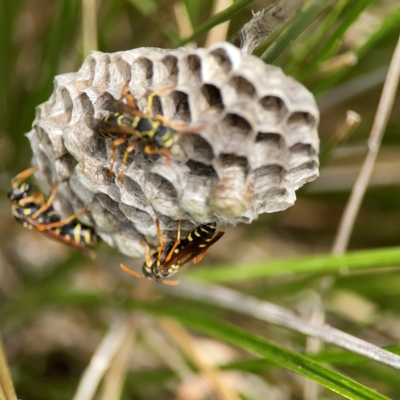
(167, 122)
(36, 198)
(197, 259)
(177, 241)
(151, 96)
(114, 146)
(48, 204)
(131, 272)
(128, 150)
(150, 150)
(58, 224)
(22, 176)
(126, 95)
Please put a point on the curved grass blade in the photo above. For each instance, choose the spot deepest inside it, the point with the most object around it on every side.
(299, 24)
(319, 264)
(277, 355)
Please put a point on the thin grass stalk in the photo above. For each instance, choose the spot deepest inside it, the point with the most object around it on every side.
(268, 312)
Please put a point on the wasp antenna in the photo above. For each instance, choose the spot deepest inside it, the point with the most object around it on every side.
(131, 272)
(171, 283)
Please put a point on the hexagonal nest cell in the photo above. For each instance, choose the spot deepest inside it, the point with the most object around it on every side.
(252, 141)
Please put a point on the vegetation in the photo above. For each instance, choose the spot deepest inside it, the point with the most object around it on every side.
(60, 312)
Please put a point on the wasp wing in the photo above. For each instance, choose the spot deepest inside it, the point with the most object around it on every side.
(190, 251)
(101, 126)
(51, 234)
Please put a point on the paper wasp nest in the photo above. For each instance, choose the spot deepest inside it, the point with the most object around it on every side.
(258, 143)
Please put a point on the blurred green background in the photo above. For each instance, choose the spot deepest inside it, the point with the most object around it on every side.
(56, 306)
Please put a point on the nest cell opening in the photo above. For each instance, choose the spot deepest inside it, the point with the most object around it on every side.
(197, 148)
(67, 104)
(136, 215)
(242, 86)
(171, 65)
(275, 109)
(124, 69)
(267, 176)
(194, 66)
(135, 190)
(213, 98)
(235, 132)
(222, 60)
(110, 205)
(181, 104)
(199, 169)
(268, 148)
(156, 107)
(90, 67)
(303, 149)
(301, 122)
(273, 140)
(86, 104)
(164, 188)
(142, 70)
(231, 162)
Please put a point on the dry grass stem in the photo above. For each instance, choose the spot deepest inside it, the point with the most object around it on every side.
(378, 128)
(337, 63)
(218, 33)
(114, 379)
(7, 391)
(89, 26)
(119, 333)
(166, 351)
(183, 21)
(268, 312)
(185, 342)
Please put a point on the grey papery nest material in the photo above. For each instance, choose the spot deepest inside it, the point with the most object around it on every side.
(257, 142)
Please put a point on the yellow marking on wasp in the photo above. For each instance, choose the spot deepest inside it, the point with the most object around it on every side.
(204, 230)
(27, 211)
(77, 233)
(67, 237)
(208, 240)
(119, 119)
(197, 233)
(135, 121)
(106, 117)
(202, 245)
(57, 231)
(189, 237)
(176, 251)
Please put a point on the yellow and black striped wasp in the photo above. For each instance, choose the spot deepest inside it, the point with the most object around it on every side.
(167, 260)
(126, 122)
(32, 211)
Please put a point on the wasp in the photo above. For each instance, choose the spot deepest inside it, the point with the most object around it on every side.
(33, 211)
(126, 122)
(167, 260)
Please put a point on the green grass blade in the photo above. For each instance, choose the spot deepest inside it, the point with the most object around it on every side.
(388, 28)
(320, 264)
(146, 7)
(309, 47)
(271, 352)
(217, 19)
(299, 24)
(329, 49)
